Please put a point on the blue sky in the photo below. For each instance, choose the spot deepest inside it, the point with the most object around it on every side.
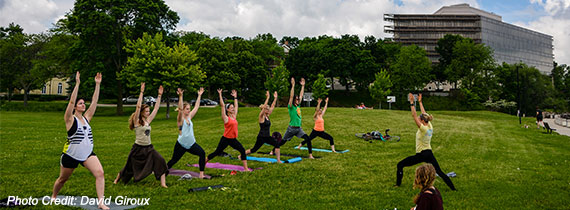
(301, 18)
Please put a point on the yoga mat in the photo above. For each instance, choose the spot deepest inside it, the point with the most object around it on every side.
(273, 160)
(223, 166)
(176, 172)
(322, 150)
(289, 155)
(204, 188)
(77, 202)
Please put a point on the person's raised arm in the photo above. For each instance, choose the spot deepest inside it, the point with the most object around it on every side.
(292, 91)
(139, 104)
(302, 82)
(266, 98)
(261, 116)
(68, 116)
(274, 102)
(234, 94)
(197, 104)
(413, 109)
(156, 105)
(317, 107)
(223, 106)
(326, 105)
(93, 106)
(180, 94)
(421, 105)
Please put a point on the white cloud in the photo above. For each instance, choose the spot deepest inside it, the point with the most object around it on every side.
(33, 15)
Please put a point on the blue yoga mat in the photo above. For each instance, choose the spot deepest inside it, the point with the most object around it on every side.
(322, 150)
(273, 160)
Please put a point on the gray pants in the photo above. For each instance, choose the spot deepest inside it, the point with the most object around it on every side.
(293, 131)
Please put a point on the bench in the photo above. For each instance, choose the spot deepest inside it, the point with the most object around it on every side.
(548, 129)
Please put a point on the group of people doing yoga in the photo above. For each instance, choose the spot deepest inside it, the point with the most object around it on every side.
(144, 160)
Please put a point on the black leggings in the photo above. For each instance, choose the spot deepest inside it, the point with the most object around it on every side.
(264, 139)
(194, 149)
(424, 156)
(305, 139)
(224, 142)
(313, 135)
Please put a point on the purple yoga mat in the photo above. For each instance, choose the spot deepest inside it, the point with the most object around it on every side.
(176, 172)
(223, 166)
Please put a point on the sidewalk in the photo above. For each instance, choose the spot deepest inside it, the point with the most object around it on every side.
(559, 129)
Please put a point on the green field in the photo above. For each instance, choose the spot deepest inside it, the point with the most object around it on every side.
(499, 165)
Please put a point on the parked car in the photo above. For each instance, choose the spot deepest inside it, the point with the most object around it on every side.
(149, 100)
(130, 100)
(205, 102)
(171, 99)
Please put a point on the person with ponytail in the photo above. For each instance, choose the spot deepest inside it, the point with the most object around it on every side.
(319, 129)
(186, 141)
(429, 197)
(423, 147)
(229, 114)
(79, 146)
(264, 135)
(143, 158)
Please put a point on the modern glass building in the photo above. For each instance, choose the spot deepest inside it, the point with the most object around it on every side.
(511, 44)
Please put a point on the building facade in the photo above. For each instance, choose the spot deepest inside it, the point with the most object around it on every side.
(511, 44)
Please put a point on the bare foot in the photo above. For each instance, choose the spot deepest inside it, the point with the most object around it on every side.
(334, 151)
(201, 176)
(163, 185)
(248, 170)
(271, 153)
(116, 180)
(102, 206)
(279, 161)
(311, 156)
(299, 147)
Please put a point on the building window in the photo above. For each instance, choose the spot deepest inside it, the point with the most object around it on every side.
(44, 89)
(59, 88)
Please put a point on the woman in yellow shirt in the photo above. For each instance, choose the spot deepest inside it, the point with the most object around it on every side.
(423, 147)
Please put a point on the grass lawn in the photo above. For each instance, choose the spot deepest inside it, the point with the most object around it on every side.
(499, 165)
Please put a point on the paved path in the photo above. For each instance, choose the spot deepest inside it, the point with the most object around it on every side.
(559, 129)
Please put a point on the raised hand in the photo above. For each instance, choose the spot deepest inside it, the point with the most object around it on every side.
(77, 75)
(293, 80)
(160, 90)
(420, 97)
(220, 90)
(410, 97)
(302, 82)
(98, 78)
(275, 94)
(319, 100)
(327, 100)
(234, 93)
(142, 87)
(179, 91)
(267, 94)
(200, 91)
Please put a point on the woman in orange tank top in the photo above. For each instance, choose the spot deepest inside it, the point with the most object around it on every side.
(229, 114)
(319, 129)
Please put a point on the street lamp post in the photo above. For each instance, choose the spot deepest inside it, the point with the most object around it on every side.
(518, 95)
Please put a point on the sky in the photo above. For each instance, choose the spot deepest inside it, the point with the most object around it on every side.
(302, 18)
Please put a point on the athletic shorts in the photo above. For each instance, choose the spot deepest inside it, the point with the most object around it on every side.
(293, 131)
(68, 162)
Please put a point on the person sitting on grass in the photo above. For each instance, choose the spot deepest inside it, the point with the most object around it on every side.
(423, 147)
(79, 146)
(186, 141)
(229, 114)
(143, 158)
(319, 129)
(264, 135)
(429, 197)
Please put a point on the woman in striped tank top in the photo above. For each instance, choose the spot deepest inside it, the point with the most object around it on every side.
(186, 141)
(229, 114)
(79, 147)
(143, 158)
(319, 129)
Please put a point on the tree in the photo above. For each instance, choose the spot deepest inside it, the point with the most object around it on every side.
(278, 80)
(12, 42)
(381, 86)
(157, 64)
(411, 70)
(320, 89)
(104, 27)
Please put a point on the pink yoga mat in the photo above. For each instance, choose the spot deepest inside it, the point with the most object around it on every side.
(224, 166)
(176, 172)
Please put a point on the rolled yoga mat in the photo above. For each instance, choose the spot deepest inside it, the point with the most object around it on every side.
(224, 166)
(322, 150)
(204, 188)
(176, 172)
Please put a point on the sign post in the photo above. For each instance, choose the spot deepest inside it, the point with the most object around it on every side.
(391, 99)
